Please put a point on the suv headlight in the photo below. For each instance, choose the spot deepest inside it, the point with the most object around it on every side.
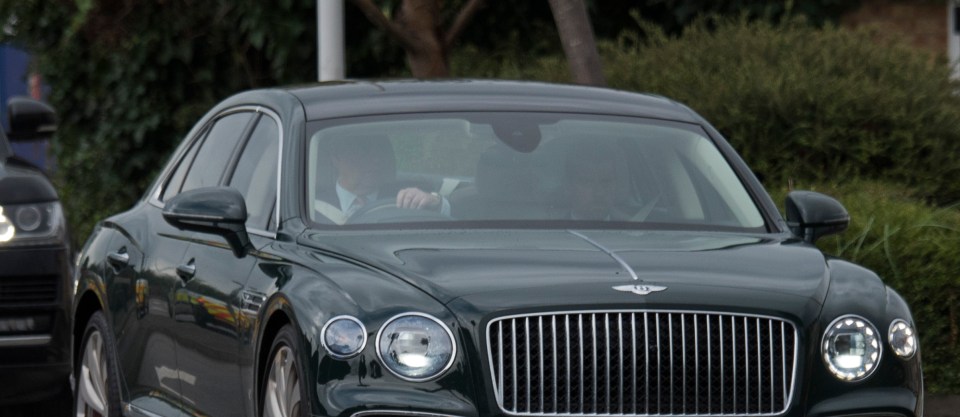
(851, 348)
(31, 224)
(416, 347)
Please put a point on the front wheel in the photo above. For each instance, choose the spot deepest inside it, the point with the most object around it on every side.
(284, 391)
(97, 393)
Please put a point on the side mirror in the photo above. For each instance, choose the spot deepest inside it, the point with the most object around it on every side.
(216, 210)
(30, 119)
(812, 215)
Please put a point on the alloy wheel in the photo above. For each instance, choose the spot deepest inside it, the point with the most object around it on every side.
(92, 383)
(283, 385)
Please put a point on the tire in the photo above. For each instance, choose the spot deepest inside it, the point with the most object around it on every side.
(283, 391)
(97, 390)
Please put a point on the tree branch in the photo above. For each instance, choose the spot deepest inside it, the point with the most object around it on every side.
(460, 23)
(377, 18)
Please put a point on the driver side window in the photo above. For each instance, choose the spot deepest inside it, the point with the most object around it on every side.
(256, 173)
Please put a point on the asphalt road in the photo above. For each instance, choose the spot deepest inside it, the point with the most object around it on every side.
(942, 406)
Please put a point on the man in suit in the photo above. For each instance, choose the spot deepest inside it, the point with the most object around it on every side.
(366, 172)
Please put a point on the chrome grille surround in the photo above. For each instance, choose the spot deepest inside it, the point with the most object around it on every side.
(548, 372)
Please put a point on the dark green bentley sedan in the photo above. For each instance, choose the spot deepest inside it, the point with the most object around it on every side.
(477, 248)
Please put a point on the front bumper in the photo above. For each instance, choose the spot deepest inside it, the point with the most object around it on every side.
(890, 402)
(35, 324)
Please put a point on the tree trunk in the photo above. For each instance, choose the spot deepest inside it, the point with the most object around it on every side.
(579, 46)
(428, 56)
(417, 28)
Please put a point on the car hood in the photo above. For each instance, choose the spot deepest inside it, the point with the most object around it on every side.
(498, 270)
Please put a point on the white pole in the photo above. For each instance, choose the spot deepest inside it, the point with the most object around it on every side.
(330, 40)
(953, 37)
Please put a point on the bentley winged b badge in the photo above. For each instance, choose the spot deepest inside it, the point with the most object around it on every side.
(639, 289)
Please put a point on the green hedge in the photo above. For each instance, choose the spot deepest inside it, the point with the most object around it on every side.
(914, 248)
(797, 102)
(129, 82)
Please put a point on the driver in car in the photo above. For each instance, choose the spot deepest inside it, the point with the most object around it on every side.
(366, 172)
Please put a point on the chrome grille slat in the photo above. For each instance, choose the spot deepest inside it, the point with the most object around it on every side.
(553, 330)
(747, 363)
(527, 335)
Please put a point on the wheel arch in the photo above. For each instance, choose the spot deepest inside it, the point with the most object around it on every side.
(278, 313)
(87, 304)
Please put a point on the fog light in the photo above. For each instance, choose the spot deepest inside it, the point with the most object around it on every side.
(17, 325)
(902, 338)
(344, 337)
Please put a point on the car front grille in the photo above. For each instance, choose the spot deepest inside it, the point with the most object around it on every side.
(642, 363)
(25, 290)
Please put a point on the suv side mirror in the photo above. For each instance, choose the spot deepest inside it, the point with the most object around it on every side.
(811, 215)
(216, 210)
(30, 119)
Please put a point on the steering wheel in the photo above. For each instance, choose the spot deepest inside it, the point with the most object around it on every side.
(385, 210)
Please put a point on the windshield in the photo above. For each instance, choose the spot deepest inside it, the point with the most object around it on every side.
(521, 170)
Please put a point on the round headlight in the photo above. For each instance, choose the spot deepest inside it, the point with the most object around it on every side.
(902, 338)
(343, 337)
(851, 348)
(416, 347)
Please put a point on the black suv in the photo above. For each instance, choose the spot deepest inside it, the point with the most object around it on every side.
(36, 287)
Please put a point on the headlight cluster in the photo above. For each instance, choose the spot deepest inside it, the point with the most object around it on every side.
(31, 224)
(852, 347)
(413, 346)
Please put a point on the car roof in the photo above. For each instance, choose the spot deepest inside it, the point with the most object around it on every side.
(356, 98)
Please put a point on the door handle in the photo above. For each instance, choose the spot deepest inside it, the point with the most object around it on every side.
(120, 258)
(187, 271)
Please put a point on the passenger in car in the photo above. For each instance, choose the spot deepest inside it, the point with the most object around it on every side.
(366, 172)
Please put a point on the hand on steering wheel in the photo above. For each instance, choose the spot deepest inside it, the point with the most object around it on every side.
(415, 198)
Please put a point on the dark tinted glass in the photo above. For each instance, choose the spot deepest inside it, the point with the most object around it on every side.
(256, 173)
(215, 152)
(176, 180)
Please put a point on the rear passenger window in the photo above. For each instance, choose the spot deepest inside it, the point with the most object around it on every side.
(214, 154)
(256, 173)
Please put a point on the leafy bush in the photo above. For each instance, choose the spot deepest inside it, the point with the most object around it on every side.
(913, 246)
(808, 104)
(130, 80)
(797, 102)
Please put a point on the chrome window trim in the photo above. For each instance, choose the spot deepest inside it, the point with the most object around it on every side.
(165, 176)
(787, 401)
(276, 208)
